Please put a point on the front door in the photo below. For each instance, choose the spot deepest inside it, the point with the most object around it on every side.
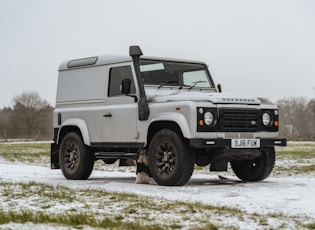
(120, 114)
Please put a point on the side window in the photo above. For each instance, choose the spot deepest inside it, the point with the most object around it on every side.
(116, 75)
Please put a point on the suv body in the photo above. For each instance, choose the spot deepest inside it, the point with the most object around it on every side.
(110, 107)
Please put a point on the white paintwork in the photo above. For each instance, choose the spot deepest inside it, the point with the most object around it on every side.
(82, 100)
(81, 125)
(81, 85)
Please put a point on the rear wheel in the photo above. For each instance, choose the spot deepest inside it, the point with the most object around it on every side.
(75, 159)
(257, 169)
(170, 161)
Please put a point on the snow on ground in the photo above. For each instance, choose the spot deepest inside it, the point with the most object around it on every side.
(287, 195)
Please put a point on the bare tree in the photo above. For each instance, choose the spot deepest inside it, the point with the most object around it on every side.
(295, 117)
(301, 117)
(5, 130)
(45, 124)
(286, 122)
(27, 110)
(265, 100)
(311, 108)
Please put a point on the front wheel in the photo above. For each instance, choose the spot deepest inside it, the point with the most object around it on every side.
(170, 161)
(257, 169)
(75, 159)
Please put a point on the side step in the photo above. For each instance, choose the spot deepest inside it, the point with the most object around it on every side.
(116, 155)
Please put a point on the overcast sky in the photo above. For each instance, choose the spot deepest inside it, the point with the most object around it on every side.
(253, 48)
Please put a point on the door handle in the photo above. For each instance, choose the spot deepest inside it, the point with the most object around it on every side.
(107, 115)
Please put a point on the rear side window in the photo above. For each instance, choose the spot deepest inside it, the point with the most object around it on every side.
(82, 62)
(117, 74)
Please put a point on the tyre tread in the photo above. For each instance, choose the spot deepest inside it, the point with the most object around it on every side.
(268, 161)
(86, 157)
(188, 158)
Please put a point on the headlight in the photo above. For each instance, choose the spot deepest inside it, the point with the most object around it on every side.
(266, 119)
(208, 118)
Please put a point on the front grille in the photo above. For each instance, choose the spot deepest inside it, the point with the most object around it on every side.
(239, 120)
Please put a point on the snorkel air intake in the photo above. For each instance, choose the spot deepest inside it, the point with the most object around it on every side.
(143, 108)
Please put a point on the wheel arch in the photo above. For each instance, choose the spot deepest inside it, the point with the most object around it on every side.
(74, 125)
(175, 122)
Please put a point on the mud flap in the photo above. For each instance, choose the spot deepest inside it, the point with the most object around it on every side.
(219, 166)
(54, 156)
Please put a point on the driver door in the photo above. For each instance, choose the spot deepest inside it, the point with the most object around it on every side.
(120, 114)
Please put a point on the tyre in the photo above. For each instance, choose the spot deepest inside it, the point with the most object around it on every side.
(257, 169)
(75, 159)
(170, 161)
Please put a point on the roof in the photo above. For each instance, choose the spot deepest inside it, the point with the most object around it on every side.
(112, 59)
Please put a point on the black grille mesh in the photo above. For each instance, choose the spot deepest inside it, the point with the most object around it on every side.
(236, 120)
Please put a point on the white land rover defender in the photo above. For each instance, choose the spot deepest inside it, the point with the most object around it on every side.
(111, 107)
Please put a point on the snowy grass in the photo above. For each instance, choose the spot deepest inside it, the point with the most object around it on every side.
(37, 153)
(58, 206)
(298, 158)
(32, 205)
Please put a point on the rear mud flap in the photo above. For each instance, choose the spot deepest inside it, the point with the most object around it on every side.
(54, 156)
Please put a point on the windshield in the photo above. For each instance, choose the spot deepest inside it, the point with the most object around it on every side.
(175, 74)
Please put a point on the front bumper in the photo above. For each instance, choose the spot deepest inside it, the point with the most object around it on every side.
(208, 143)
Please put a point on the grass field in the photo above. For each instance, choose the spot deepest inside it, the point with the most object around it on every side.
(297, 158)
(36, 205)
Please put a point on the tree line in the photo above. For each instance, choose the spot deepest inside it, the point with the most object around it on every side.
(31, 118)
(297, 118)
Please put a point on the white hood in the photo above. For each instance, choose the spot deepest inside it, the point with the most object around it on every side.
(215, 98)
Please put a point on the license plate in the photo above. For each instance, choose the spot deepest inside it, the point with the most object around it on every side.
(245, 143)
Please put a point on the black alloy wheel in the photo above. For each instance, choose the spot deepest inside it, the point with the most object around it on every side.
(75, 159)
(170, 160)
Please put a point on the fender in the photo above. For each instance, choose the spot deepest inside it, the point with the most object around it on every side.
(177, 118)
(80, 124)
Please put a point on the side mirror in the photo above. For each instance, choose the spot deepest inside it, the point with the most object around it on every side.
(125, 86)
(220, 88)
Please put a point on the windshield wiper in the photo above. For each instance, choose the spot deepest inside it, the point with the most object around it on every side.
(166, 82)
(195, 83)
